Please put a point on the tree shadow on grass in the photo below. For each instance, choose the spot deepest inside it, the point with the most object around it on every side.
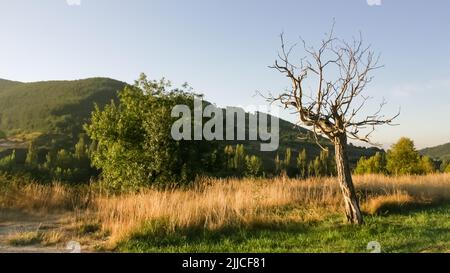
(404, 209)
(157, 234)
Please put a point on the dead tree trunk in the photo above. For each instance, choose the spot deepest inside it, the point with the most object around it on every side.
(352, 210)
(332, 110)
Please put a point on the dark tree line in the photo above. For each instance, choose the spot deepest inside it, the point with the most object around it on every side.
(71, 164)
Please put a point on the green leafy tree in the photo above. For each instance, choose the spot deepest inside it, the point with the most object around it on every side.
(288, 164)
(427, 165)
(328, 166)
(239, 159)
(403, 158)
(8, 163)
(447, 169)
(288, 158)
(319, 170)
(92, 148)
(372, 165)
(134, 143)
(362, 166)
(32, 154)
(311, 171)
(81, 149)
(253, 166)
(64, 159)
(302, 164)
(445, 163)
(322, 165)
(50, 160)
(278, 165)
(82, 161)
(229, 154)
(13, 157)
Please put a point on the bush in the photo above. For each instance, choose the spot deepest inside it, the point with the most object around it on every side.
(253, 166)
(403, 158)
(447, 169)
(427, 165)
(322, 165)
(134, 143)
(373, 165)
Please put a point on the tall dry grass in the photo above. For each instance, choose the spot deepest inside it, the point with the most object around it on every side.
(34, 197)
(218, 203)
(211, 204)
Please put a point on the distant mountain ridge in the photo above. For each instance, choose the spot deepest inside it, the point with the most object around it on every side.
(441, 152)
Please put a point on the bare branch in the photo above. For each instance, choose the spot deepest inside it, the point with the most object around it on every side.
(330, 110)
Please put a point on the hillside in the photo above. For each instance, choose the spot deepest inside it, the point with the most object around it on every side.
(5, 84)
(52, 106)
(441, 152)
(56, 110)
(298, 138)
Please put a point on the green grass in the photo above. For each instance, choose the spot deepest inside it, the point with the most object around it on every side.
(418, 230)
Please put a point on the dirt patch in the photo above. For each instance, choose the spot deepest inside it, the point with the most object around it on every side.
(21, 232)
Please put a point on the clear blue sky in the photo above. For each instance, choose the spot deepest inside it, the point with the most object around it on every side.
(223, 48)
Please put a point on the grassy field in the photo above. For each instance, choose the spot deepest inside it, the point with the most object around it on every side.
(415, 231)
(403, 214)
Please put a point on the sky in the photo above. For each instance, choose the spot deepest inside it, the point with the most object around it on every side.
(223, 48)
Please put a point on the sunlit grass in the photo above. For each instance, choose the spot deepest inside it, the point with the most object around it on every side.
(262, 215)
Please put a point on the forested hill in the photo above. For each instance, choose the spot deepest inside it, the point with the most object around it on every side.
(441, 152)
(52, 106)
(5, 84)
(58, 109)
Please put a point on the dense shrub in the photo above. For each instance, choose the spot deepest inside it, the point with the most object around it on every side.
(253, 166)
(134, 144)
(372, 165)
(447, 169)
(401, 159)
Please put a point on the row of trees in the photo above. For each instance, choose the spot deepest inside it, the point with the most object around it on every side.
(75, 165)
(72, 165)
(237, 163)
(302, 167)
(401, 159)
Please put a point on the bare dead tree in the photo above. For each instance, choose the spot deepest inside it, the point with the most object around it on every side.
(339, 72)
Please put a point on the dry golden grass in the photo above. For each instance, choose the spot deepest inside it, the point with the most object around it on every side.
(383, 203)
(24, 238)
(34, 197)
(217, 203)
(37, 237)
